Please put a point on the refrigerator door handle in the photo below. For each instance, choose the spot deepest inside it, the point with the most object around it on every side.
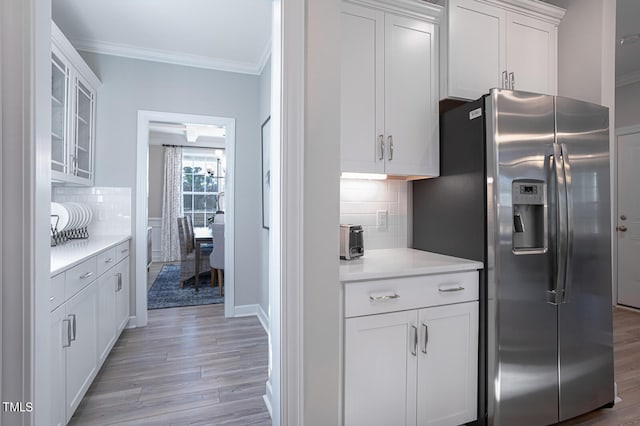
(561, 224)
(566, 162)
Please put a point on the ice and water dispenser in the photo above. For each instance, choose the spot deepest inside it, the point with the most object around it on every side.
(529, 216)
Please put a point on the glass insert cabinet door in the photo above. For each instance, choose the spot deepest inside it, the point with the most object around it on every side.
(83, 130)
(59, 116)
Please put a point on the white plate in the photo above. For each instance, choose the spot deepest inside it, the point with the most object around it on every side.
(74, 218)
(85, 215)
(63, 214)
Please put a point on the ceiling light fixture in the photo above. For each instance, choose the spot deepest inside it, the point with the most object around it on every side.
(629, 39)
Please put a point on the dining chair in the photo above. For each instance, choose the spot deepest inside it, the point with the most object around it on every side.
(216, 259)
(187, 258)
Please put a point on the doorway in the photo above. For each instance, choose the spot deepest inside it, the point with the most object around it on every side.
(187, 166)
(145, 122)
(626, 225)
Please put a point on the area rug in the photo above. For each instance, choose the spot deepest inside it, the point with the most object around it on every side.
(165, 292)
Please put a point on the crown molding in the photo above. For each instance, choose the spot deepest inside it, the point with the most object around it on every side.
(265, 58)
(169, 57)
(627, 79)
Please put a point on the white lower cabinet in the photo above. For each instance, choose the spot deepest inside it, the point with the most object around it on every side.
(448, 364)
(380, 371)
(412, 366)
(122, 294)
(80, 357)
(107, 288)
(85, 327)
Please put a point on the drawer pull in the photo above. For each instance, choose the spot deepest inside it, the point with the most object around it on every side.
(450, 289)
(124, 251)
(384, 298)
(109, 260)
(85, 276)
(52, 298)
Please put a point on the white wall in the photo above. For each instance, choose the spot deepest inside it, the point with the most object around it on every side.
(129, 85)
(264, 100)
(321, 174)
(361, 199)
(628, 105)
(156, 178)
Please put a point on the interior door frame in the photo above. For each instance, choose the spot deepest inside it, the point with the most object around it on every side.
(622, 131)
(141, 203)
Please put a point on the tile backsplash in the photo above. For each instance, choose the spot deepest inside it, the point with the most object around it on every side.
(111, 207)
(360, 201)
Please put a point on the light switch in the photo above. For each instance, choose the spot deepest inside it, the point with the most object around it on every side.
(382, 218)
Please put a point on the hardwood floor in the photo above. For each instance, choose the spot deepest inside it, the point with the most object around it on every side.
(626, 337)
(189, 366)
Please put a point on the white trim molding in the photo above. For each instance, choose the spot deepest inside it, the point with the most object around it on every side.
(141, 205)
(251, 310)
(169, 57)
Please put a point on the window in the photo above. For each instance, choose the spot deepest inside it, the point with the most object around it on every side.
(202, 180)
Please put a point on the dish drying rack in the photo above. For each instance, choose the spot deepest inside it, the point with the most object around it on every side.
(61, 237)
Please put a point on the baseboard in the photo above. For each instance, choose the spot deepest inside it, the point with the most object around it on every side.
(267, 398)
(249, 310)
(132, 323)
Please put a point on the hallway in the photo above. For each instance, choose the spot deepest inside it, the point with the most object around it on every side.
(188, 366)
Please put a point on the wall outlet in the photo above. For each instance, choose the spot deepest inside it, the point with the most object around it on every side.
(382, 219)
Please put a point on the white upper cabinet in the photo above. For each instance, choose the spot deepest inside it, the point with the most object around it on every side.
(510, 44)
(389, 88)
(73, 111)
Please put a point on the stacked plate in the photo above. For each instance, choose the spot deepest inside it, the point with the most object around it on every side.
(68, 216)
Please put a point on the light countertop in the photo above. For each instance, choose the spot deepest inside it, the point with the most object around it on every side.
(73, 252)
(401, 262)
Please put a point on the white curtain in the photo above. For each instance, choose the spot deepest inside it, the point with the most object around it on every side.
(171, 203)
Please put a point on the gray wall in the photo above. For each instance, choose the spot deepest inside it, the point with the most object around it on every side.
(628, 105)
(129, 85)
(264, 100)
(156, 177)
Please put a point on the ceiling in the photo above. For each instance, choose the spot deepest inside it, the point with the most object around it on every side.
(228, 35)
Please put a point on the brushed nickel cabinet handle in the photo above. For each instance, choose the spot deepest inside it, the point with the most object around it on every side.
(68, 333)
(381, 143)
(109, 260)
(390, 140)
(384, 298)
(426, 337)
(512, 81)
(505, 80)
(85, 276)
(414, 345)
(73, 328)
(450, 289)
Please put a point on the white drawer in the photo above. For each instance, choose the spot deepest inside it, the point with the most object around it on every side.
(56, 294)
(106, 260)
(398, 294)
(79, 276)
(122, 251)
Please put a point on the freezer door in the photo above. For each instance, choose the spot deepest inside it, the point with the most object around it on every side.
(522, 323)
(585, 316)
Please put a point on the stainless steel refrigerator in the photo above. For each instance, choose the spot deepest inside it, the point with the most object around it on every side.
(525, 188)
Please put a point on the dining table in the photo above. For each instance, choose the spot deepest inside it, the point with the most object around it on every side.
(200, 235)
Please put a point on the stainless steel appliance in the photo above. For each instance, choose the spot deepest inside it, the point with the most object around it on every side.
(524, 188)
(351, 241)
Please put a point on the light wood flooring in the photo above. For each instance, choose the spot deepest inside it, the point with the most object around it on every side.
(189, 366)
(626, 338)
